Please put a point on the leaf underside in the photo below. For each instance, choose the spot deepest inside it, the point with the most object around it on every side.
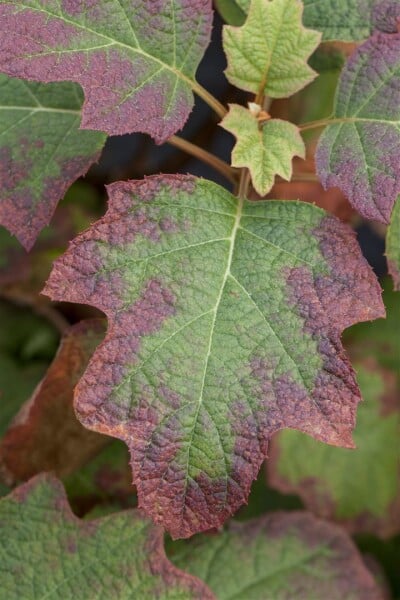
(45, 551)
(268, 54)
(42, 151)
(360, 489)
(134, 59)
(224, 326)
(281, 555)
(45, 434)
(360, 153)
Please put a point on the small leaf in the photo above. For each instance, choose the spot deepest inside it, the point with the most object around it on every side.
(358, 488)
(289, 555)
(46, 551)
(268, 55)
(266, 149)
(45, 435)
(393, 246)
(359, 153)
(224, 326)
(42, 151)
(135, 60)
(346, 20)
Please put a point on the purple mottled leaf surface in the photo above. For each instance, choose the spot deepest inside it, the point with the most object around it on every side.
(134, 59)
(224, 324)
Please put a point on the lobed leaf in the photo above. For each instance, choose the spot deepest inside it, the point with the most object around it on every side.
(359, 151)
(346, 20)
(268, 54)
(224, 326)
(393, 246)
(42, 151)
(358, 488)
(134, 59)
(46, 551)
(267, 149)
(45, 434)
(290, 556)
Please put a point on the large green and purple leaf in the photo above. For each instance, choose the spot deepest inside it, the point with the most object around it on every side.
(393, 246)
(224, 326)
(268, 54)
(45, 434)
(359, 152)
(46, 552)
(42, 151)
(358, 488)
(285, 556)
(346, 20)
(135, 60)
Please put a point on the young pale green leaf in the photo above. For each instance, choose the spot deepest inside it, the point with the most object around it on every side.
(266, 149)
(290, 556)
(46, 552)
(346, 20)
(134, 59)
(45, 434)
(393, 245)
(358, 488)
(224, 326)
(268, 54)
(359, 151)
(42, 151)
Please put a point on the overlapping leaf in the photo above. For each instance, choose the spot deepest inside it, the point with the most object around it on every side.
(135, 60)
(46, 551)
(267, 149)
(346, 20)
(359, 151)
(268, 54)
(359, 488)
(45, 435)
(393, 245)
(224, 326)
(282, 555)
(42, 151)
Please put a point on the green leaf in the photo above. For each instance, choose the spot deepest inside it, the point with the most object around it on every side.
(281, 555)
(45, 434)
(135, 60)
(225, 319)
(42, 151)
(393, 245)
(45, 551)
(358, 152)
(346, 20)
(358, 488)
(268, 55)
(267, 149)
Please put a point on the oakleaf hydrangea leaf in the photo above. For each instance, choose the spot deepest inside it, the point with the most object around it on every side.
(393, 246)
(45, 551)
(45, 435)
(346, 20)
(268, 54)
(134, 59)
(42, 151)
(290, 556)
(358, 488)
(224, 326)
(267, 149)
(359, 152)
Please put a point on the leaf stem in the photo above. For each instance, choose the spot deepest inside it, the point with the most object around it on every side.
(318, 124)
(210, 159)
(209, 99)
(244, 183)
